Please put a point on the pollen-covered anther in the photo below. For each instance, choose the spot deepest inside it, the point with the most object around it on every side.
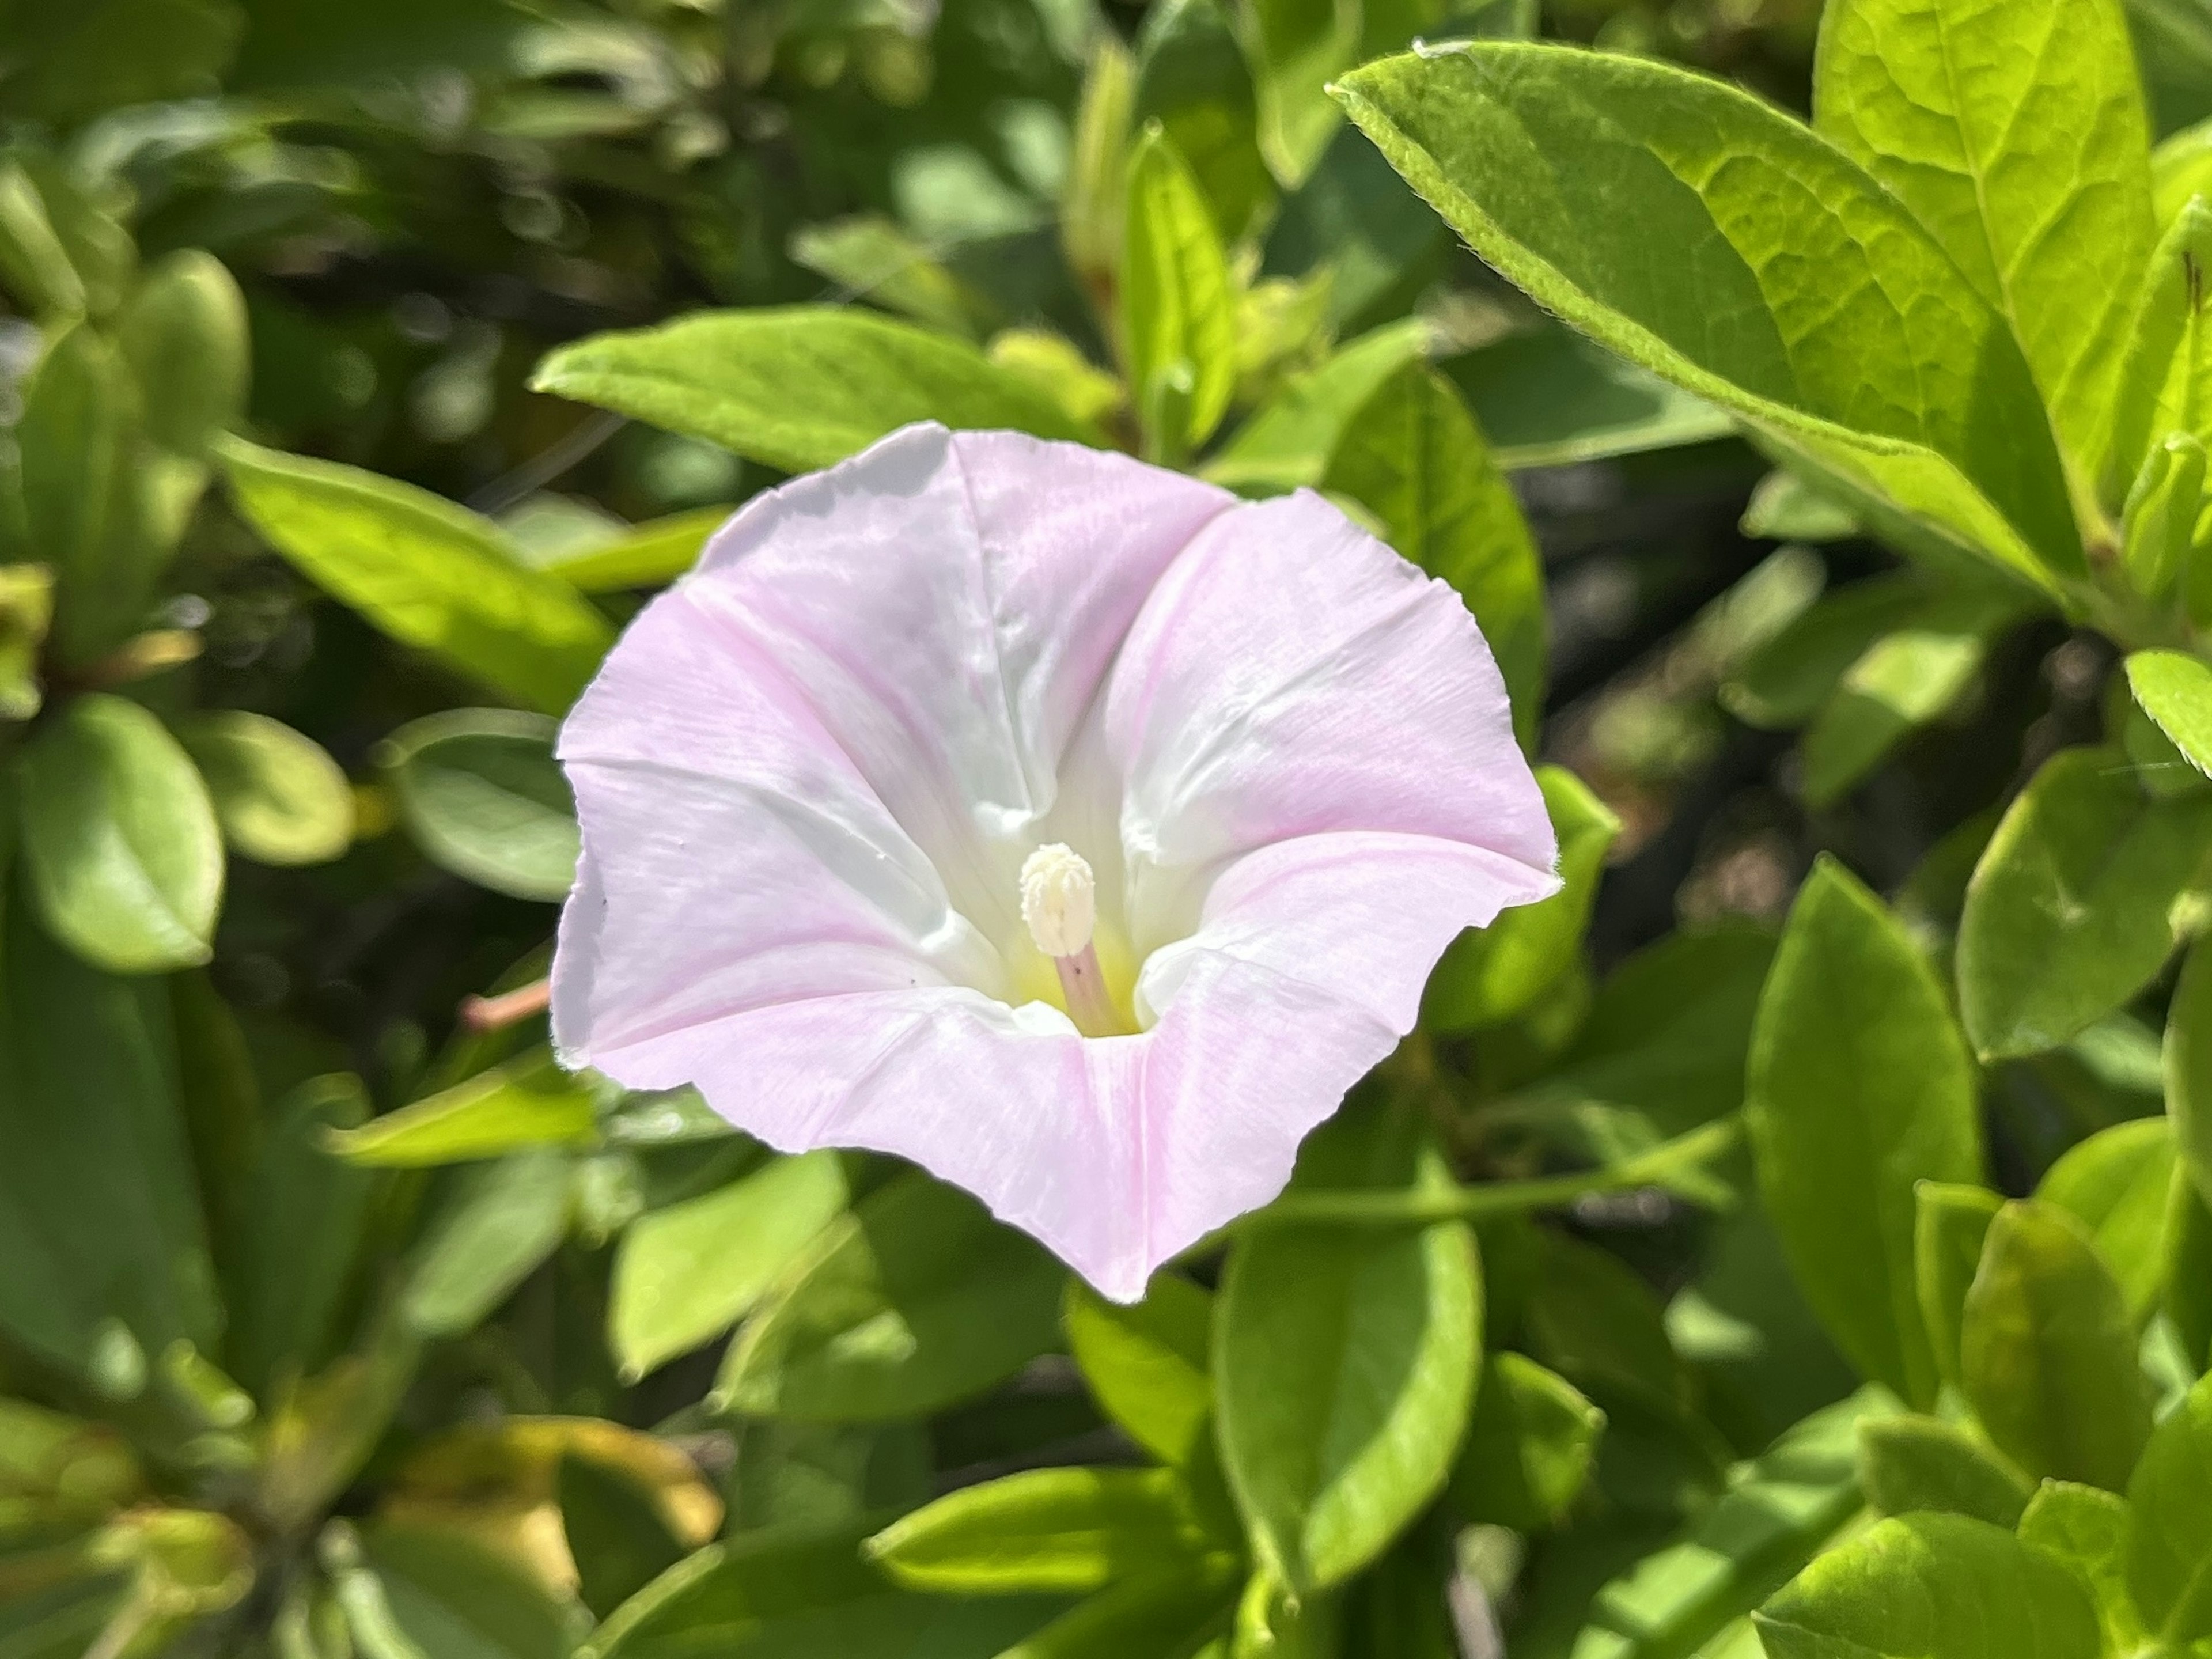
(1059, 900)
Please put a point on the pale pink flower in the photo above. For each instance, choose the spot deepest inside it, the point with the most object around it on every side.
(973, 731)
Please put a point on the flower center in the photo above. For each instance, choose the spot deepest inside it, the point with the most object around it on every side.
(1060, 907)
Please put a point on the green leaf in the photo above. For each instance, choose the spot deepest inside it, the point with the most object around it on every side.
(2189, 1067)
(2047, 1352)
(1991, 124)
(120, 845)
(2087, 1529)
(1865, 347)
(1773, 1519)
(1549, 397)
(100, 1218)
(792, 1594)
(33, 264)
(429, 573)
(1951, 1220)
(726, 376)
(2116, 1184)
(1859, 1086)
(1413, 456)
(1915, 1463)
(184, 333)
(1067, 1531)
(1146, 1362)
(2069, 913)
(1931, 1586)
(650, 554)
(1903, 681)
(279, 796)
(2188, 1299)
(1178, 308)
(1178, 1615)
(1296, 46)
(1192, 79)
(1093, 210)
(1785, 681)
(26, 614)
(481, 794)
(2176, 691)
(1529, 1448)
(869, 257)
(685, 1274)
(450, 1597)
(1490, 974)
(1786, 508)
(495, 1224)
(2169, 1558)
(1287, 442)
(912, 1300)
(528, 1101)
(300, 1232)
(615, 1534)
(83, 492)
(2159, 521)
(1344, 1364)
(2166, 381)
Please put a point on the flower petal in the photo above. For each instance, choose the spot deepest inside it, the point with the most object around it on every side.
(948, 603)
(1116, 1154)
(1292, 677)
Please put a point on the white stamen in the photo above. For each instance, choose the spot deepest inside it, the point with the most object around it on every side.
(1060, 899)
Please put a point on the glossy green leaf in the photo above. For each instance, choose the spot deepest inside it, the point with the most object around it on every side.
(183, 334)
(100, 1218)
(2176, 690)
(793, 1593)
(1178, 307)
(2087, 1529)
(1068, 1531)
(1913, 1463)
(1529, 1448)
(1859, 1087)
(1932, 1587)
(1345, 1363)
(1147, 1362)
(27, 613)
(528, 1101)
(2188, 1299)
(1490, 974)
(913, 1300)
(2165, 379)
(1950, 1222)
(1288, 441)
(33, 264)
(427, 573)
(686, 1273)
(2169, 1555)
(650, 554)
(1775, 1516)
(495, 1224)
(1564, 169)
(1183, 1615)
(726, 376)
(121, 850)
(2047, 1352)
(2068, 912)
(481, 794)
(279, 796)
(2189, 1067)
(1991, 123)
(1414, 457)
(2116, 1184)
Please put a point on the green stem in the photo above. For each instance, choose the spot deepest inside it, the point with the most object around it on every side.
(1413, 1209)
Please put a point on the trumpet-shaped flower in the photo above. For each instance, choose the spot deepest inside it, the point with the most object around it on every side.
(1065, 825)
